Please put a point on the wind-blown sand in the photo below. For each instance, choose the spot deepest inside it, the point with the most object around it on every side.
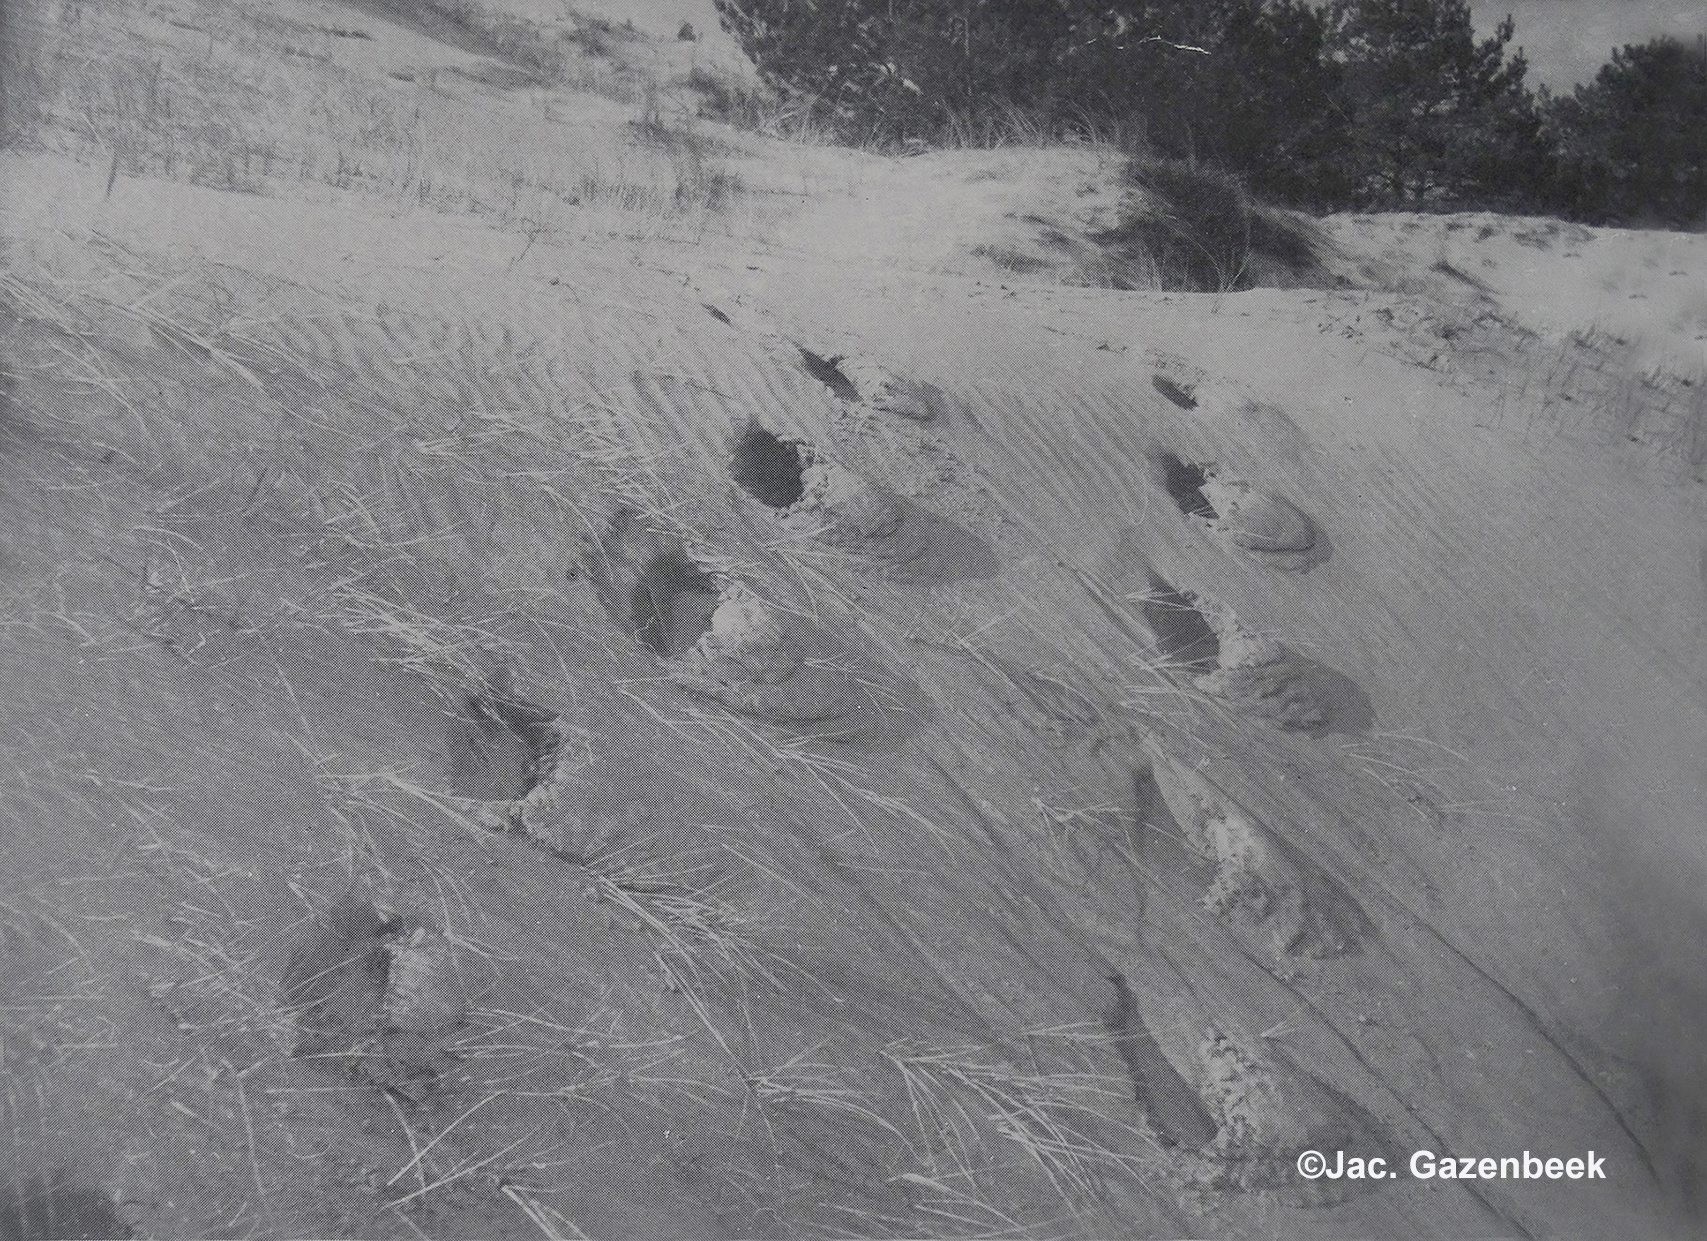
(446, 794)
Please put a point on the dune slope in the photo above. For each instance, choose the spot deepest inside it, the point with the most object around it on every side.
(666, 730)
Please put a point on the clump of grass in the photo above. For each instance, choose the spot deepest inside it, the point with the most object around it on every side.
(814, 1084)
(721, 98)
(759, 110)
(700, 183)
(1004, 124)
(1596, 384)
(456, 654)
(1197, 229)
(546, 54)
(1009, 259)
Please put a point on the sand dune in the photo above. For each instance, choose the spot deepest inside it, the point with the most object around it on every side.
(759, 713)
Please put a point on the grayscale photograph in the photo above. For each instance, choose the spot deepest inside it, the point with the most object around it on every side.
(1027, 620)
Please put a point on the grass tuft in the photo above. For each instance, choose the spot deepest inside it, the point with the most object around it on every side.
(1197, 229)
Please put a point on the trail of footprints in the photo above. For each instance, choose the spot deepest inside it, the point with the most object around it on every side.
(378, 989)
(370, 984)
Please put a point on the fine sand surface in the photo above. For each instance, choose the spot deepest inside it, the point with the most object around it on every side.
(777, 706)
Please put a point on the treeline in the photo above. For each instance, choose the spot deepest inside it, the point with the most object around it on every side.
(1355, 104)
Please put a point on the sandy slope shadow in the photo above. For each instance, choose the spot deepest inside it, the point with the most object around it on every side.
(54, 1206)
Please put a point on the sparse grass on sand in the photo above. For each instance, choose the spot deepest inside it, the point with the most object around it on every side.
(207, 102)
(275, 559)
(383, 825)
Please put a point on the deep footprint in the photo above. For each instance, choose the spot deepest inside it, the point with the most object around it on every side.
(719, 640)
(1173, 1107)
(498, 746)
(1243, 515)
(377, 993)
(1269, 681)
(767, 468)
(1257, 521)
(1260, 880)
(1294, 693)
(827, 372)
(671, 604)
(1267, 1109)
(1184, 482)
(1186, 640)
(1179, 395)
(829, 503)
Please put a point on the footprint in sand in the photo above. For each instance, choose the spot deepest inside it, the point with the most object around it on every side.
(813, 497)
(1243, 515)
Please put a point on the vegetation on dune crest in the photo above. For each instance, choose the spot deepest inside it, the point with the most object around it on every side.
(1357, 103)
(1199, 229)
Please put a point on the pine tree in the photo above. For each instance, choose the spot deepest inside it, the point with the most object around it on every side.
(1632, 145)
(1437, 115)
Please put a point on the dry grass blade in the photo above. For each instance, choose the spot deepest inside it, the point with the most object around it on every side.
(1047, 1115)
(427, 644)
(798, 1080)
(552, 1224)
(964, 1208)
(362, 790)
